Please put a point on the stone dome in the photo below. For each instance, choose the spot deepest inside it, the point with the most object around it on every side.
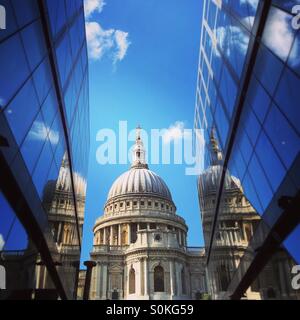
(139, 180)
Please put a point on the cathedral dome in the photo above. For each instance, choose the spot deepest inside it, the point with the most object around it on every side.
(139, 180)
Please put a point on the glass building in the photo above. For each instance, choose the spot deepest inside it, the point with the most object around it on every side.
(44, 147)
(247, 94)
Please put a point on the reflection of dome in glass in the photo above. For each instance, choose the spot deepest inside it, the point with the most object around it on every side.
(64, 180)
(139, 180)
(209, 180)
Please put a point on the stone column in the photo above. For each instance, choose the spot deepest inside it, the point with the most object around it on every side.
(44, 278)
(104, 236)
(92, 290)
(138, 284)
(172, 279)
(111, 236)
(178, 276)
(119, 235)
(98, 281)
(129, 234)
(89, 265)
(104, 281)
(59, 232)
(146, 286)
(142, 277)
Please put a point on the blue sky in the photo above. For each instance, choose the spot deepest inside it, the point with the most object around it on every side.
(143, 69)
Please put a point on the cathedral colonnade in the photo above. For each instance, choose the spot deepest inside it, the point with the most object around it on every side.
(142, 279)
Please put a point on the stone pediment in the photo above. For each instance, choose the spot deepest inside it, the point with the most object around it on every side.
(115, 267)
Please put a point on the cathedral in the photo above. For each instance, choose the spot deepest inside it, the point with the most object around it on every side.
(140, 243)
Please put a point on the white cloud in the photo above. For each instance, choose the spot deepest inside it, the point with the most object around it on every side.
(1, 242)
(100, 42)
(90, 6)
(40, 132)
(279, 35)
(174, 133)
(122, 44)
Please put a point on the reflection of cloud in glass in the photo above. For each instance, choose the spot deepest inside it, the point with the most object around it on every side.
(232, 37)
(252, 3)
(1, 242)
(279, 36)
(40, 132)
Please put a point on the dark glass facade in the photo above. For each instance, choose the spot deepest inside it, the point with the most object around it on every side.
(44, 131)
(247, 92)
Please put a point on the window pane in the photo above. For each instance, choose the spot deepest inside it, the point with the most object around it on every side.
(283, 136)
(33, 40)
(15, 70)
(22, 111)
(33, 144)
(287, 97)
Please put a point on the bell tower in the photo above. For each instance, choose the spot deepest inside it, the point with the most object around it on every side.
(139, 153)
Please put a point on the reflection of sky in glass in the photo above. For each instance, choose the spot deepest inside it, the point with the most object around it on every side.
(292, 244)
(12, 233)
(267, 142)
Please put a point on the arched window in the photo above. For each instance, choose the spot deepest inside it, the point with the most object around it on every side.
(183, 283)
(159, 285)
(132, 281)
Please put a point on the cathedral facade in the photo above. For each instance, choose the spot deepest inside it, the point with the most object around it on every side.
(140, 243)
